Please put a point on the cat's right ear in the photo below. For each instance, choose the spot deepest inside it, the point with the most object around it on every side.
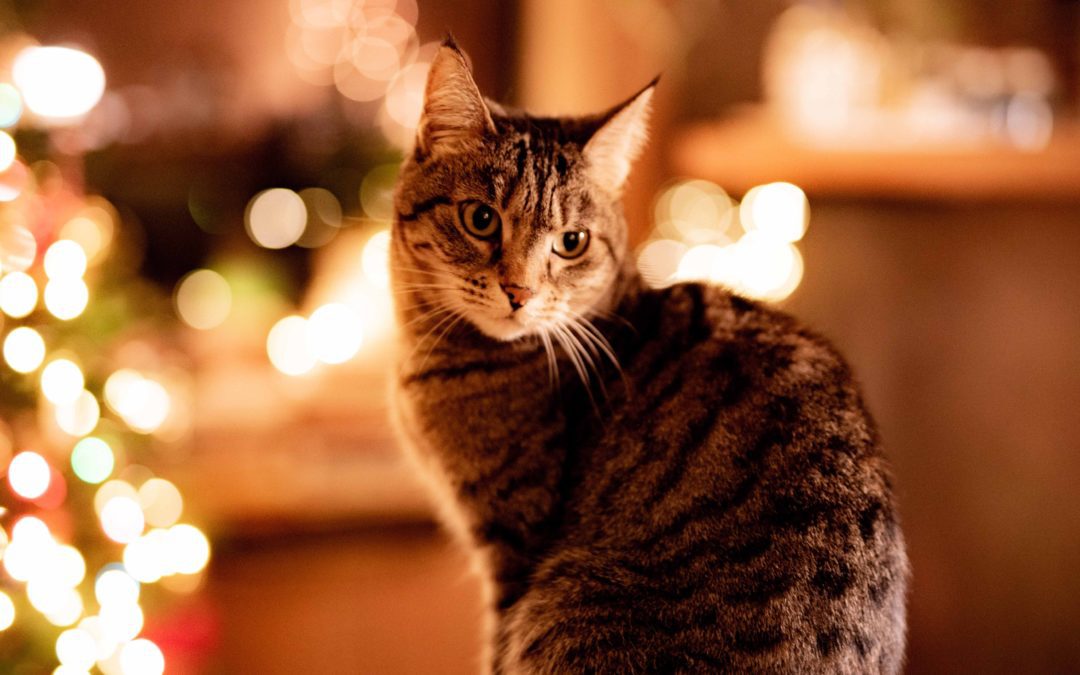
(454, 115)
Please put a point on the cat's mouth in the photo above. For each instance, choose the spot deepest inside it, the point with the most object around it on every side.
(503, 326)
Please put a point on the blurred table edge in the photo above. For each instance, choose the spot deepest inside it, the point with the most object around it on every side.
(277, 455)
(750, 147)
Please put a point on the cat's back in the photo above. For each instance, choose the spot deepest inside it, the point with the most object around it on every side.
(735, 513)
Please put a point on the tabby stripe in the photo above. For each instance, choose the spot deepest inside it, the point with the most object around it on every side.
(753, 458)
(698, 330)
(796, 511)
(647, 310)
(493, 531)
(452, 372)
(720, 663)
(673, 563)
(758, 640)
(832, 578)
(702, 508)
(677, 352)
(869, 518)
(645, 416)
(606, 241)
(699, 430)
(471, 486)
(760, 591)
(676, 467)
(828, 641)
(424, 207)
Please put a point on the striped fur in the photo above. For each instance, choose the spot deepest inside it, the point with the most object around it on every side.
(716, 503)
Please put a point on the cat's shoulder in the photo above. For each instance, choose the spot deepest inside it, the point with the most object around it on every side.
(766, 340)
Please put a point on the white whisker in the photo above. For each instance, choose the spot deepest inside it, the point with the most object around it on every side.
(440, 338)
(430, 313)
(552, 362)
(450, 314)
(601, 342)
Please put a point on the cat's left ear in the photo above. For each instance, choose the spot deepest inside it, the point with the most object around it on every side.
(612, 148)
(454, 114)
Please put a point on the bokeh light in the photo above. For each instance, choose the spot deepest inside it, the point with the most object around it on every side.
(92, 228)
(360, 47)
(79, 417)
(62, 381)
(7, 150)
(276, 218)
(659, 259)
(335, 333)
(105, 647)
(141, 657)
(203, 299)
(92, 460)
(122, 519)
(1029, 122)
(66, 298)
(375, 259)
(24, 349)
(65, 606)
(121, 622)
(65, 259)
(696, 212)
(115, 586)
(189, 549)
(76, 648)
(29, 475)
(31, 542)
(289, 348)
(11, 105)
(161, 502)
(18, 294)
(771, 269)
(324, 217)
(405, 96)
(143, 403)
(377, 192)
(18, 247)
(58, 83)
(777, 210)
(13, 181)
(749, 247)
(146, 557)
(64, 566)
(7, 611)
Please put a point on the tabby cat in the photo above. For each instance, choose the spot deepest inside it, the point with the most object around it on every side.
(652, 481)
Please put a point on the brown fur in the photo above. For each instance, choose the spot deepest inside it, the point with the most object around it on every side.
(709, 497)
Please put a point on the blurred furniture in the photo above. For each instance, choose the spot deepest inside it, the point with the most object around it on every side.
(748, 149)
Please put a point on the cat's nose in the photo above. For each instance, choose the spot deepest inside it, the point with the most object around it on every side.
(518, 295)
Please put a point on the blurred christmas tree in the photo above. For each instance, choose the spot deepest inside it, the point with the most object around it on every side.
(90, 396)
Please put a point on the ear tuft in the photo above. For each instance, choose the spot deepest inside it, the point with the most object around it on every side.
(454, 114)
(613, 147)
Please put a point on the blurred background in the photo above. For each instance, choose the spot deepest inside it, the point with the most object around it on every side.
(197, 471)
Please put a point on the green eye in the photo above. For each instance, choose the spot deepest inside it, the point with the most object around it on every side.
(480, 220)
(571, 244)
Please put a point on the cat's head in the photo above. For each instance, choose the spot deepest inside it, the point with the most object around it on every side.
(510, 221)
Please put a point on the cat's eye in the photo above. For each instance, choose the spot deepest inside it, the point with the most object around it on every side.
(571, 244)
(480, 220)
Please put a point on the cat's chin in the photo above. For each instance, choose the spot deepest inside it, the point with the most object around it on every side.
(502, 329)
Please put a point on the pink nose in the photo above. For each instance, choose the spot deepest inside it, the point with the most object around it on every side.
(518, 295)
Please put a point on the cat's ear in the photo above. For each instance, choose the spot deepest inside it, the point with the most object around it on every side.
(614, 146)
(454, 114)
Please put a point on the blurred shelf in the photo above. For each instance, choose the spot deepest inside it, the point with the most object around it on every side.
(751, 148)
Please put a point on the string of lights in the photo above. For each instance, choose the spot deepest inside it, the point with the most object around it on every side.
(86, 530)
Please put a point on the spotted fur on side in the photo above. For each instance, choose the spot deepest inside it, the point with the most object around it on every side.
(652, 481)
